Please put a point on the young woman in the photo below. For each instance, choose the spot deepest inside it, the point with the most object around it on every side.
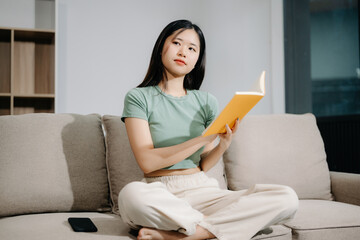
(164, 117)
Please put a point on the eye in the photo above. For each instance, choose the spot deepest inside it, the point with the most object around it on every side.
(192, 49)
(176, 43)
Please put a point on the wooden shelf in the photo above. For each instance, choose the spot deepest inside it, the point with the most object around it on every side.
(36, 95)
(27, 70)
(23, 105)
(28, 29)
(33, 62)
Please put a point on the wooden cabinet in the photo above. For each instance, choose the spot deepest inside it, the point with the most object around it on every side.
(27, 71)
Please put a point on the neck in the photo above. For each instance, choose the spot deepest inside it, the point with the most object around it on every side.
(173, 86)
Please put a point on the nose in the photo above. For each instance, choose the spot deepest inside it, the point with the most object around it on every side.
(181, 52)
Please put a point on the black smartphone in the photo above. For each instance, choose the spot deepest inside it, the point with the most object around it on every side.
(82, 224)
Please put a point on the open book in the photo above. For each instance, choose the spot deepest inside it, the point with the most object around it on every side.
(238, 107)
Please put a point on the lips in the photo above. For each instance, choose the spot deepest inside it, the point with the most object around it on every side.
(179, 61)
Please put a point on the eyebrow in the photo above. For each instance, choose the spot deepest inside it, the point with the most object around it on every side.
(183, 40)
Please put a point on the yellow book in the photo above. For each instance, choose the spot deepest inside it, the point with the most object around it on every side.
(238, 107)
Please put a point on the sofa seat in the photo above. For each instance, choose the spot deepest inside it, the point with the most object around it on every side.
(55, 226)
(330, 220)
(276, 232)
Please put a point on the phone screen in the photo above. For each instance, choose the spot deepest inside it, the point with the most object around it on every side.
(82, 224)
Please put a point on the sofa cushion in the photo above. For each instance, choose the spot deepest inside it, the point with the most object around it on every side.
(279, 149)
(52, 162)
(120, 160)
(121, 163)
(320, 219)
(218, 172)
(55, 226)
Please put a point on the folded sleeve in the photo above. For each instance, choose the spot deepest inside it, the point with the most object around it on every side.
(135, 105)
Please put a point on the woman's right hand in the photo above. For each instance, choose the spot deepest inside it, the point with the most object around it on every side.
(226, 138)
(213, 152)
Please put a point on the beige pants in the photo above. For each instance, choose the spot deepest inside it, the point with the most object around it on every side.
(180, 203)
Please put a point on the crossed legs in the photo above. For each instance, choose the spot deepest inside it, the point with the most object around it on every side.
(161, 213)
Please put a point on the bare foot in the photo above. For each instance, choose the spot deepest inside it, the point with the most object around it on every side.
(155, 234)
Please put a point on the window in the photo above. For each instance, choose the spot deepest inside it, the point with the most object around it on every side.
(322, 73)
(334, 57)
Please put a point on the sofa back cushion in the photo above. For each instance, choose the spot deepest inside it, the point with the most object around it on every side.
(122, 165)
(52, 162)
(282, 149)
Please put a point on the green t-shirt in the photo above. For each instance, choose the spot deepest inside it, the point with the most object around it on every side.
(172, 120)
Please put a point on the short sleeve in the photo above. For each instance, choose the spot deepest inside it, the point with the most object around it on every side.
(212, 109)
(135, 105)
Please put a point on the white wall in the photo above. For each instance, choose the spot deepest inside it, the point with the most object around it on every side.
(104, 47)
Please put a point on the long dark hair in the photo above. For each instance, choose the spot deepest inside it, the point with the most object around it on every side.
(156, 71)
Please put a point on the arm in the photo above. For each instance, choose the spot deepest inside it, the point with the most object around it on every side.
(346, 187)
(213, 153)
(211, 158)
(151, 159)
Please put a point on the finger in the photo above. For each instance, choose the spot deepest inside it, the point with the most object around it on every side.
(228, 130)
(237, 122)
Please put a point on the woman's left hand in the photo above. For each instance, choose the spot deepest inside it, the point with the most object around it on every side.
(226, 138)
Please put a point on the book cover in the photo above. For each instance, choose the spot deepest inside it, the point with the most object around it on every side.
(238, 107)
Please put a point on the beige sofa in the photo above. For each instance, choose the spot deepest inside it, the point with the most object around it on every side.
(55, 166)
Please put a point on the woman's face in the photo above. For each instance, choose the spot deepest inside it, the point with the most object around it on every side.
(180, 52)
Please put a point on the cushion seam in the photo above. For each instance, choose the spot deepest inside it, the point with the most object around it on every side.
(107, 163)
(322, 228)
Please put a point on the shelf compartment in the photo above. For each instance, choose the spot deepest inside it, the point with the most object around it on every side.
(5, 105)
(34, 64)
(23, 105)
(5, 60)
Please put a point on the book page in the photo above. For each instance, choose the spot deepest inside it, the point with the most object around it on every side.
(259, 85)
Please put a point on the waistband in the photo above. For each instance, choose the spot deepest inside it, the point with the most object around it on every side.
(190, 178)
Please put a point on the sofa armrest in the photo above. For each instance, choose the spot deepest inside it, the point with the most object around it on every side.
(346, 187)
